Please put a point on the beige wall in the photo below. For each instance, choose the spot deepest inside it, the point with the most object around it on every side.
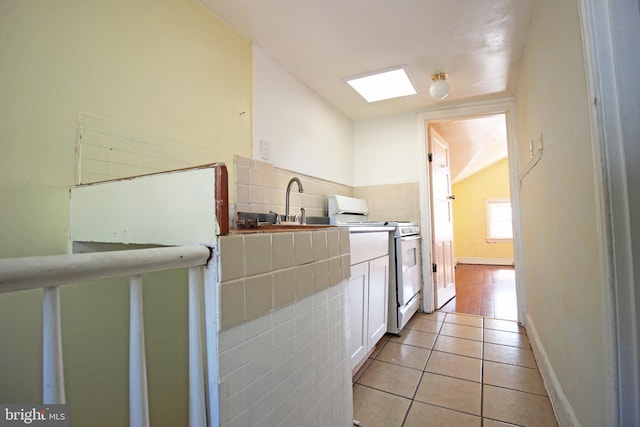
(166, 67)
(469, 213)
(392, 202)
(562, 266)
(262, 187)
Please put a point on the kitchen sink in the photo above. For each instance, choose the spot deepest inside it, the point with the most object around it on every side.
(277, 228)
(265, 223)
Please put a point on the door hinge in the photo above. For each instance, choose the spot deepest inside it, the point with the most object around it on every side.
(430, 157)
(434, 267)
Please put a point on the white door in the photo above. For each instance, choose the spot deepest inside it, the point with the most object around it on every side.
(441, 221)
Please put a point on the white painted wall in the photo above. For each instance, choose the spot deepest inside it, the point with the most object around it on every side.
(611, 30)
(386, 150)
(561, 246)
(308, 135)
(304, 132)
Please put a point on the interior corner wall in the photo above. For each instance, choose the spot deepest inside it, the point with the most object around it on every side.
(168, 67)
(561, 254)
(294, 128)
(469, 213)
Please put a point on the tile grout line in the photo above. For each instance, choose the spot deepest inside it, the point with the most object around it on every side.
(415, 392)
(423, 371)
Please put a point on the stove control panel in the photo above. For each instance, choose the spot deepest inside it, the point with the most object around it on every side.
(405, 228)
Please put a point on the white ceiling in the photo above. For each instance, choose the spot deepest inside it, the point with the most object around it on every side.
(323, 43)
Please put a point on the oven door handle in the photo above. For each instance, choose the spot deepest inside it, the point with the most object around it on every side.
(407, 238)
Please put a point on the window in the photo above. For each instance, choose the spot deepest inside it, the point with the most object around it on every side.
(499, 220)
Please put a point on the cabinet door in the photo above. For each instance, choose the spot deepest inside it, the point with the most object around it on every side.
(357, 293)
(378, 300)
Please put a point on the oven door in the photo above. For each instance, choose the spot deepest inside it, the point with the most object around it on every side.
(408, 268)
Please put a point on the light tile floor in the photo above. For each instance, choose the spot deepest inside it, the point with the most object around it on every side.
(449, 369)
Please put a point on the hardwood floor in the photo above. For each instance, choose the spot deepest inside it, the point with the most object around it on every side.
(484, 290)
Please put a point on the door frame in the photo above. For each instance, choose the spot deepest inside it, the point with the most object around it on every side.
(467, 111)
(610, 33)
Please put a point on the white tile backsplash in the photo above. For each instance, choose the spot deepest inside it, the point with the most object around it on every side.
(287, 410)
(255, 327)
(237, 404)
(233, 338)
(284, 314)
(258, 367)
(231, 360)
(284, 332)
(304, 339)
(235, 382)
(289, 367)
(259, 345)
(259, 388)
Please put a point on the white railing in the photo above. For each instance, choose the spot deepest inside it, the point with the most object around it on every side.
(49, 272)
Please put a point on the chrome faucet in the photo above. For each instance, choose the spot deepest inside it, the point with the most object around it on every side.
(287, 217)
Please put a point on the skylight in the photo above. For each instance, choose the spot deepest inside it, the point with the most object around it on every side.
(387, 85)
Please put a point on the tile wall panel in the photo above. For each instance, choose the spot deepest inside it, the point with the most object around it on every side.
(289, 367)
(261, 187)
(261, 272)
(392, 202)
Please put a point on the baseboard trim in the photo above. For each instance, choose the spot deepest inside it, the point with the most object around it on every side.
(561, 406)
(485, 261)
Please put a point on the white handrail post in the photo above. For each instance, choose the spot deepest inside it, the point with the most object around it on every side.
(197, 407)
(138, 398)
(211, 278)
(52, 367)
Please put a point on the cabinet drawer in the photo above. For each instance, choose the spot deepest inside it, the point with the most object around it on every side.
(366, 246)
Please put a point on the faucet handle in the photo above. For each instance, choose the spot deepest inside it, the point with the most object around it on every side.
(277, 219)
(301, 217)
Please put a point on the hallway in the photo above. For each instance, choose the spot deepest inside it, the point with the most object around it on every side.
(451, 369)
(484, 290)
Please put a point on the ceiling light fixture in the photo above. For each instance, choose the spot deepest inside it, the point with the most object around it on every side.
(439, 89)
(386, 85)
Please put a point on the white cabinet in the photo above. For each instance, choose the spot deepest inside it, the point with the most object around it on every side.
(358, 300)
(378, 300)
(368, 292)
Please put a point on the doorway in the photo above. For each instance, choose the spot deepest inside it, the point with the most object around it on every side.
(471, 160)
(484, 290)
(468, 163)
